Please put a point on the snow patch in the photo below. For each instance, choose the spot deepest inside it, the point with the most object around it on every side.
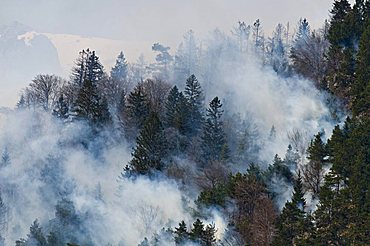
(27, 37)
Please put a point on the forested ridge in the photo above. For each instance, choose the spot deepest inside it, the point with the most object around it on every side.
(204, 163)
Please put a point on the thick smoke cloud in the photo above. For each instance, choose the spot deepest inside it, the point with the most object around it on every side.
(48, 163)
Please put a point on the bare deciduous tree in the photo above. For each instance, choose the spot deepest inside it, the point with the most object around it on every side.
(43, 91)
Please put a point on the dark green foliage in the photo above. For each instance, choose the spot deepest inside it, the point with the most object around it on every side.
(91, 107)
(88, 67)
(197, 232)
(313, 173)
(151, 148)
(137, 110)
(342, 216)
(194, 94)
(181, 234)
(214, 146)
(209, 238)
(279, 168)
(292, 221)
(177, 111)
(361, 87)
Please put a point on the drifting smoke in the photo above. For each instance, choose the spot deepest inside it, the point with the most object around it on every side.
(47, 164)
(259, 94)
(50, 160)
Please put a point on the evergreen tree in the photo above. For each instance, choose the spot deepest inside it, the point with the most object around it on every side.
(361, 88)
(137, 110)
(193, 93)
(150, 149)
(181, 234)
(279, 168)
(277, 52)
(177, 111)
(95, 70)
(214, 146)
(313, 173)
(120, 70)
(36, 236)
(291, 158)
(292, 221)
(197, 232)
(303, 30)
(90, 106)
(171, 105)
(61, 108)
(209, 237)
(186, 58)
(21, 104)
(88, 67)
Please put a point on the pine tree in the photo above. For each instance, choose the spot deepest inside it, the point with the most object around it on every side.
(171, 105)
(137, 110)
(90, 106)
(95, 70)
(21, 104)
(197, 232)
(214, 146)
(291, 158)
(186, 58)
(292, 221)
(193, 93)
(88, 67)
(61, 108)
(150, 150)
(120, 70)
(181, 234)
(361, 88)
(177, 111)
(209, 238)
(313, 172)
(36, 236)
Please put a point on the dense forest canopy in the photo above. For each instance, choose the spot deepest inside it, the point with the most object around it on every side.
(240, 139)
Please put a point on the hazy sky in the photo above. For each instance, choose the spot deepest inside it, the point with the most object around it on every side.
(156, 20)
(135, 25)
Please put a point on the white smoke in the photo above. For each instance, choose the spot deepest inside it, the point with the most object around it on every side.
(45, 157)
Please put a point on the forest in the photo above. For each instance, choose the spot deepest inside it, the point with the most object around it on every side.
(240, 139)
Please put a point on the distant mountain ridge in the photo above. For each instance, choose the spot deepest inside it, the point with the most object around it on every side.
(22, 57)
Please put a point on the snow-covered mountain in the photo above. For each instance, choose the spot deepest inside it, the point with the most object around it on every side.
(23, 54)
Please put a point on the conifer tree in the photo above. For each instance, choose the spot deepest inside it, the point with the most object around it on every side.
(61, 108)
(193, 93)
(177, 111)
(36, 236)
(171, 105)
(136, 112)
(313, 173)
(150, 149)
(197, 232)
(181, 234)
(214, 146)
(90, 106)
(292, 222)
(120, 70)
(209, 237)
(361, 88)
